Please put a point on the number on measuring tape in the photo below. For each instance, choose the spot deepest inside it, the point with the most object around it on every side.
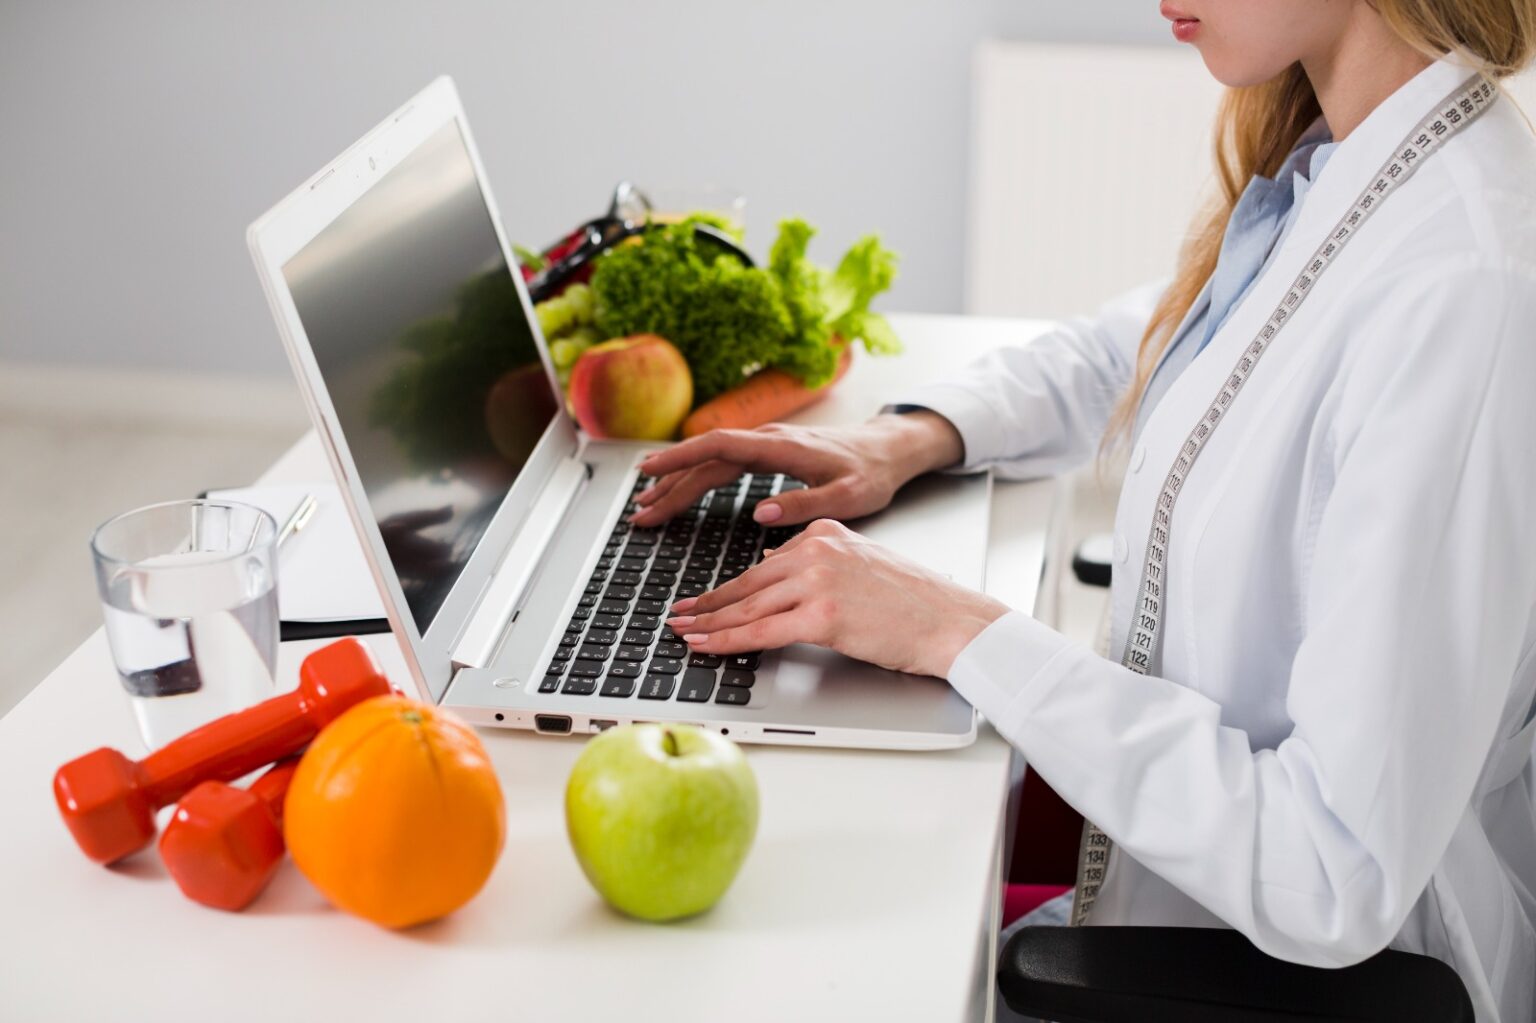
(1450, 116)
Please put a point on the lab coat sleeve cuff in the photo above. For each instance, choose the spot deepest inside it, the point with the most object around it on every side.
(979, 424)
(1008, 664)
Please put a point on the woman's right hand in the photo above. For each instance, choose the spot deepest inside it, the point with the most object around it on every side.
(849, 471)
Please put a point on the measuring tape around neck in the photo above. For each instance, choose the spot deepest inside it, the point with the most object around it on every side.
(1452, 114)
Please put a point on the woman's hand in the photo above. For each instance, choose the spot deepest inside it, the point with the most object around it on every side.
(848, 471)
(834, 588)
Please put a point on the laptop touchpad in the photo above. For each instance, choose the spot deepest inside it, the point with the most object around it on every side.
(940, 522)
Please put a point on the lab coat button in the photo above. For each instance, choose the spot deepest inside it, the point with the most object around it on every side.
(1138, 457)
(1122, 549)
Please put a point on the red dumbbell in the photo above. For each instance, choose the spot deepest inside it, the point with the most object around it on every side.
(224, 843)
(109, 801)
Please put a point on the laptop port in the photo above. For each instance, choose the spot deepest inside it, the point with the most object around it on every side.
(599, 725)
(552, 724)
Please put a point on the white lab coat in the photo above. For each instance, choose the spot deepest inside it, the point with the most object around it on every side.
(1333, 753)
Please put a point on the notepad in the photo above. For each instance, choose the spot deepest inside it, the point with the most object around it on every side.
(322, 574)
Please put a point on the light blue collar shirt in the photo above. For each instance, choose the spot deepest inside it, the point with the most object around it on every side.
(1263, 216)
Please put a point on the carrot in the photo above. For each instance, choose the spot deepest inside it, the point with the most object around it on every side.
(766, 395)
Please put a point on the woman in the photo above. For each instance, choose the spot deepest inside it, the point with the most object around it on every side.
(1322, 736)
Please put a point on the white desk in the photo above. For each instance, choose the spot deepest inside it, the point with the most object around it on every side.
(871, 893)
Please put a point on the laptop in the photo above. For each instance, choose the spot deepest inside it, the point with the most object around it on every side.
(495, 529)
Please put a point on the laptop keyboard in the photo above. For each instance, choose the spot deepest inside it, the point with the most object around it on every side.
(616, 644)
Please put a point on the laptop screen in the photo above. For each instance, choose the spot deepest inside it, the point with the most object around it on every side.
(430, 362)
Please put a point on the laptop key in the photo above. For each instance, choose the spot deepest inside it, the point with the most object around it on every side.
(691, 590)
(695, 575)
(631, 653)
(632, 564)
(624, 669)
(696, 686)
(655, 592)
(704, 661)
(550, 684)
(613, 607)
(604, 621)
(587, 600)
(748, 660)
(579, 687)
(625, 579)
(600, 637)
(738, 677)
(735, 696)
(666, 666)
(650, 607)
(570, 639)
(562, 653)
(595, 587)
(668, 648)
(656, 687)
(586, 669)
(620, 593)
(592, 652)
(645, 623)
(616, 686)
(581, 614)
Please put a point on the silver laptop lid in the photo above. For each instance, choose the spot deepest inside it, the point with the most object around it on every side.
(415, 343)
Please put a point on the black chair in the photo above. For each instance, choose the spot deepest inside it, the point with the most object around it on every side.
(1200, 975)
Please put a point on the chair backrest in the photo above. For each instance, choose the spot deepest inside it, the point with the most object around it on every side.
(1204, 975)
(1087, 164)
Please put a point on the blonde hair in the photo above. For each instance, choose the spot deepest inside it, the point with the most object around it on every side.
(1258, 126)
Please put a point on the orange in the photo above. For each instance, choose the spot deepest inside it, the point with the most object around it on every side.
(395, 813)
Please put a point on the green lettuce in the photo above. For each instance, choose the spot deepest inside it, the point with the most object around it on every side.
(730, 320)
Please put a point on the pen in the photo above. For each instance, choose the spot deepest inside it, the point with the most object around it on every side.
(299, 519)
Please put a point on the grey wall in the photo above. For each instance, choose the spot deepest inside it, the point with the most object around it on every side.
(138, 139)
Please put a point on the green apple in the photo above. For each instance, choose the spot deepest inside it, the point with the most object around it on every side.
(661, 817)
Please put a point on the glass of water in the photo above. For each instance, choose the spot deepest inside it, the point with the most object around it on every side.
(189, 592)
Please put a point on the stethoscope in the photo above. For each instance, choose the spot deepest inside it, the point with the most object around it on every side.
(629, 214)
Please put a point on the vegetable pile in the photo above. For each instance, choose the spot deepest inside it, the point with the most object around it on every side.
(730, 320)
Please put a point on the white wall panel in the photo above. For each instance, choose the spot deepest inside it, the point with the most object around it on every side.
(1088, 162)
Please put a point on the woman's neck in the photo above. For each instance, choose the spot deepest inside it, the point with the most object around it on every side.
(1360, 68)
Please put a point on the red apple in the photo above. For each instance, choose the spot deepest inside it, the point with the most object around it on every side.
(635, 388)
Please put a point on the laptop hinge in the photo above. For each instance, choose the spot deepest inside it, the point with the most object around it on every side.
(477, 644)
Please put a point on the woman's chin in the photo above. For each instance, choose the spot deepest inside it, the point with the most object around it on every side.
(1236, 72)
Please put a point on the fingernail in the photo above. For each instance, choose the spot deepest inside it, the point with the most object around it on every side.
(767, 551)
(681, 621)
(695, 638)
(684, 604)
(768, 513)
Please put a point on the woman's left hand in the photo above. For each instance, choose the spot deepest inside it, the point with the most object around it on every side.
(831, 587)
